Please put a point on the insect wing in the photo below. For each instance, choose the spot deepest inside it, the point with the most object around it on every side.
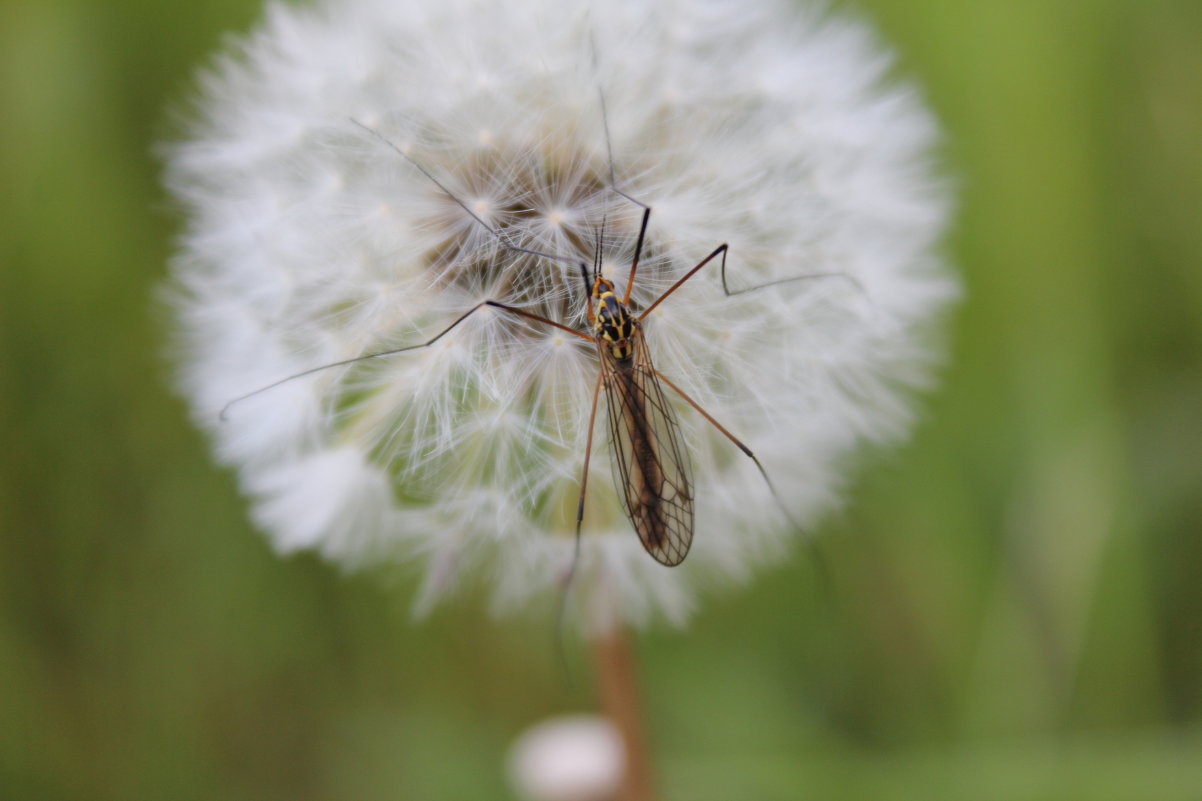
(650, 464)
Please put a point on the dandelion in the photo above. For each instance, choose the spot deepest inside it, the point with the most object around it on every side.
(359, 175)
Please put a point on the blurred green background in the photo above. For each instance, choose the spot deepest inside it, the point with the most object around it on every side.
(1016, 609)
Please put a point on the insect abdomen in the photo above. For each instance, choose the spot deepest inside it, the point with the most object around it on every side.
(648, 477)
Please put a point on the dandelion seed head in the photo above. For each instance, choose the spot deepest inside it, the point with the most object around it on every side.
(310, 240)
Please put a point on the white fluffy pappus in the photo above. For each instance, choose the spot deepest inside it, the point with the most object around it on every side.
(309, 241)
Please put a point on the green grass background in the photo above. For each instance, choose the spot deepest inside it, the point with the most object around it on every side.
(1017, 600)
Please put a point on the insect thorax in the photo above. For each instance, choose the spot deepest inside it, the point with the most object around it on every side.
(614, 326)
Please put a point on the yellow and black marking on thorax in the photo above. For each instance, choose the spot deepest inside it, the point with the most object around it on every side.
(613, 324)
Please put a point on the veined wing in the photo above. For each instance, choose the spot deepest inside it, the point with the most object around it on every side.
(650, 464)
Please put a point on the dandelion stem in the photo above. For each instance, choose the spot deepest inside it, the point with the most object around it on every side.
(620, 701)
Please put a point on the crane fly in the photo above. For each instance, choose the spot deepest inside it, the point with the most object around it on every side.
(650, 463)
(651, 466)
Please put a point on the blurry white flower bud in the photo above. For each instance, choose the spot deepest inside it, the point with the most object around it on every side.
(570, 758)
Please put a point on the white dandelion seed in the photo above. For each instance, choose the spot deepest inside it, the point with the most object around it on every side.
(310, 241)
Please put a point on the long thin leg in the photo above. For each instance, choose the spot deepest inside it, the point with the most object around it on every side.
(504, 242)
(720, 249)
(738, 444)
(638, 245)
(223, 415)
(723, 249)
(571, 575)
(820, 562)
(588, 453)
(638, 248)
(613, 184)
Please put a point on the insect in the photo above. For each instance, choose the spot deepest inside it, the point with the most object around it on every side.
(650, 462)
